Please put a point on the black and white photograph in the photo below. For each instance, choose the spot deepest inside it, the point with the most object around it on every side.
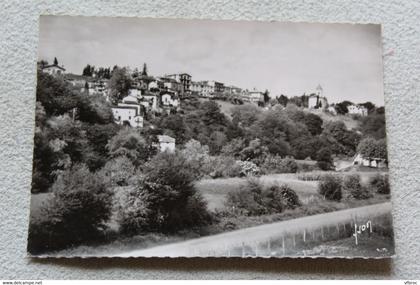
(209, 138)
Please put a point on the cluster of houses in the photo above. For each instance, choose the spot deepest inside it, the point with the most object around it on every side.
(164, 93)
(154, 94)
(318, 101)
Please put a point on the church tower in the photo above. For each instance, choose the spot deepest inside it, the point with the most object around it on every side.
(319, 90)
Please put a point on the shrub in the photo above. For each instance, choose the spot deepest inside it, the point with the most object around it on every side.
(248, 168)
(276, 164)
(76, 214)
(324, 159)
(117, 172)
(380, 183)
(253, 199)
(330, 187)
(221, 166)
(134, 212)
(353, 187)
(281, 197)
(174, 201)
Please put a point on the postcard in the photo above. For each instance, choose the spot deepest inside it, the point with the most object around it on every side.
(205, 138)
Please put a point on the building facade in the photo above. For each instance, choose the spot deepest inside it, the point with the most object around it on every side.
(357, 110)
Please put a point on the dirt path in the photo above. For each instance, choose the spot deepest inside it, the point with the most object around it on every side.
(217, 244)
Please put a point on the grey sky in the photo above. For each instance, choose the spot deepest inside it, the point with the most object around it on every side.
(285, 58)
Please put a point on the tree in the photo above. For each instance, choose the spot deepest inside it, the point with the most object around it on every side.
(266, 95)
(369, 106)
(144, 71)
(55, 61)
(119, 84)
(176, 124)
(330, 187)
(283, 100)
(341, 108)
(117, 172)
(354, 188)
(374, 126)
(76, 214)
(94, 109)
(55, 94)
(174, 201)
(88, 70)
(245, 115)
(128, 142)
(314, 123)
(371, 148)
(324, 159)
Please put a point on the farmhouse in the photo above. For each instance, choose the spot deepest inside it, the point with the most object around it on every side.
(53, 69)
(359, 159)
(166, 143)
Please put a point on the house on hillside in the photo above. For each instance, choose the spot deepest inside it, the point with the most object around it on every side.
(357, 110)
(169, 99)
(166, 143)
(128, 112)
(53, 69)
(359, 159)
(124, 114)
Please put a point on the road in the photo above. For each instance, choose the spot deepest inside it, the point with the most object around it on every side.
(217, 245)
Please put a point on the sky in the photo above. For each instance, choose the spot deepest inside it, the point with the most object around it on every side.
(282, 57)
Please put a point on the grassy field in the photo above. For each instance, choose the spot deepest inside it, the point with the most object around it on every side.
(215, 190)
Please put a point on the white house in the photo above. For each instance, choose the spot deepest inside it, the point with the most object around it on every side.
(127, 115)
(53, 69)
(166, 143)
(357, 110)
(359, 159)
(332, 110)
(150, 101)
(169, 99)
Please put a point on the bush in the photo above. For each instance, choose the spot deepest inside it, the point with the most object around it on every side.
(253, 199)
(174, 202)
(380, 184)
(324, 159)
(276, 164)
(76, 214)
(221, 166)
(330, 187)
(134, 212)
(353, 187)
(117, 172)
(248, 168)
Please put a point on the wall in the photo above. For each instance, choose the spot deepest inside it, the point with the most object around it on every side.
(18, 55)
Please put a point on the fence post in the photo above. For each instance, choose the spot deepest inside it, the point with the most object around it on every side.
(338, 229)
(282, 245)
(304, 235)
(243, 250)
(294, 241)
(269, 247)
(322, 232)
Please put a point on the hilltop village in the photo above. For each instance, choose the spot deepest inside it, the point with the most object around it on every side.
(135, 94)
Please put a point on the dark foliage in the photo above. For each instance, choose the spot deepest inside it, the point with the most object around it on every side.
(330, 187)
(253, 199)
(77, 213)
(380, 183)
